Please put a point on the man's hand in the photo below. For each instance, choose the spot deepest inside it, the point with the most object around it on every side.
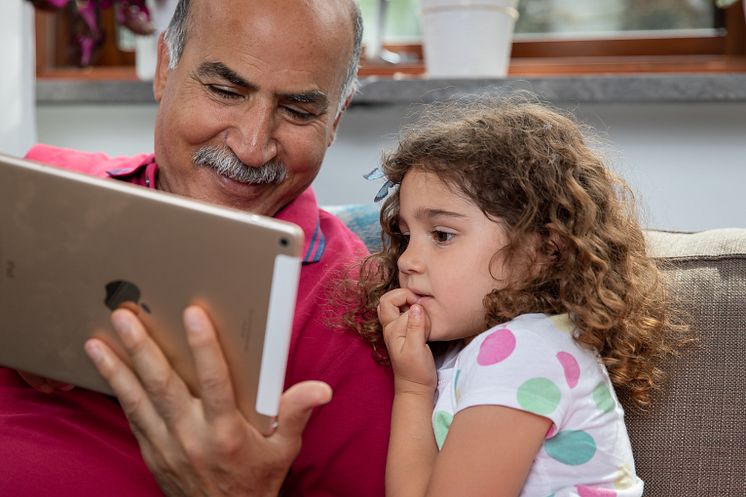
(44, 385)
(406, 328)
(200, 446)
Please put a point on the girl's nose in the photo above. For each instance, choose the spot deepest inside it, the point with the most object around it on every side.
(411, 261)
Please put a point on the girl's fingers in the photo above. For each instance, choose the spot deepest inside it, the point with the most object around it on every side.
(416, 329)
(395, 331)
(392, 303)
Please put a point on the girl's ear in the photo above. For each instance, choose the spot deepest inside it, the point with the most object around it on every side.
(545, 252)
(552, 247)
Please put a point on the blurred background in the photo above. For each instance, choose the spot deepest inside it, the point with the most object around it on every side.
(663, 82)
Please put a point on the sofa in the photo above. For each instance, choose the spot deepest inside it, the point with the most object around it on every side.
(692, 441)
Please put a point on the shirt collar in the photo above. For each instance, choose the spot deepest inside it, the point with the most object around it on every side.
(143, 173)
(303, 211)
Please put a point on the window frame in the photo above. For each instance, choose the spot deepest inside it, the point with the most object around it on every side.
(722, 52)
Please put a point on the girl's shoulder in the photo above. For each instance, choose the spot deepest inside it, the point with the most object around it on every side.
(533, 341)
(541, 331)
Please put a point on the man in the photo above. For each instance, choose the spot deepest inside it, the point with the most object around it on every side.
(251, 94)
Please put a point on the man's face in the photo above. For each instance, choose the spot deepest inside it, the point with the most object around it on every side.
(256, 89)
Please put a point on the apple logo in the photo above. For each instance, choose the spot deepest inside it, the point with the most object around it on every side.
(123, 294)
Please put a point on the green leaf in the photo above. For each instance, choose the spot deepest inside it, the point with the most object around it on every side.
(725, 3)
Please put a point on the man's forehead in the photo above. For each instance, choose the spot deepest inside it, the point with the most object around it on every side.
(331, 11)
(285, 51)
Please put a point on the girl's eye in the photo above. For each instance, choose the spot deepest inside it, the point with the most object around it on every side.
(223, 93)
(441, 236)
(403, 239)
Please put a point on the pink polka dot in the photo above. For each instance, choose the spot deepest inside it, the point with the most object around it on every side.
(496, 347)
(595, 492)
(571, 367)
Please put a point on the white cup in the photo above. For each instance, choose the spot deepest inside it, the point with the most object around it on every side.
(468, 38)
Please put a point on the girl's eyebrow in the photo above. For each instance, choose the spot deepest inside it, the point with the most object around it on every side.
(429, 213)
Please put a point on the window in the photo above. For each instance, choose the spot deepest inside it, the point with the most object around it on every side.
(551, 37)
(592, 36)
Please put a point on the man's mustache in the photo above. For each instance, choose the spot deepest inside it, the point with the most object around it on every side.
(225, 163)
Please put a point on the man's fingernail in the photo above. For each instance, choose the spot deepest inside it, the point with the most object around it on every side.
(121, 324)
(193, 321)
(95, 352)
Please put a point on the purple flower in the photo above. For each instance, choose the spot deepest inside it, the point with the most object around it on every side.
(132, 14)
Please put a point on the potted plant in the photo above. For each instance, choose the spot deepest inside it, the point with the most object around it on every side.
(727, 3)
(132, 14)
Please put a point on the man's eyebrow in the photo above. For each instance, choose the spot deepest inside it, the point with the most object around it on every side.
(220, 70)
(315, 97)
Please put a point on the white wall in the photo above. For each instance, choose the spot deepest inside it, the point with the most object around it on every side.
(687, 162)
(17, 131)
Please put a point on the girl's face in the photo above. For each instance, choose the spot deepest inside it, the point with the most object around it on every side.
(452, 260)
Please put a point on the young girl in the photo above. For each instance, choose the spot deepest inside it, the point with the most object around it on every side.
(505, 220)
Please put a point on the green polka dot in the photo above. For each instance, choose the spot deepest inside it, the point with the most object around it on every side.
(539, 395)
(441, 422)
(603, 398)
(456, 390)
(571, 447)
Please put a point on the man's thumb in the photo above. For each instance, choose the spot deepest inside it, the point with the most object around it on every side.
(296, 405)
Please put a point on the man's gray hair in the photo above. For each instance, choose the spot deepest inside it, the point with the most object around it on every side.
(176, 36)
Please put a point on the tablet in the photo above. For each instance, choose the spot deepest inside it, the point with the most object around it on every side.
(74, 247)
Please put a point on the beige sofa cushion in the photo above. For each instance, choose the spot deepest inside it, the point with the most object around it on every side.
(692, 443)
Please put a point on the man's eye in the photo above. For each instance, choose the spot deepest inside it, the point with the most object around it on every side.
(298, 115)
(442, 236)
(222, 92)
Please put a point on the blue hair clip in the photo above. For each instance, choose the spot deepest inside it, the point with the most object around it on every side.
(375, 174)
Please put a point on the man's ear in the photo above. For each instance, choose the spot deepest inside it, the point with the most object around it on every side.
(337, 119)
(161, 69)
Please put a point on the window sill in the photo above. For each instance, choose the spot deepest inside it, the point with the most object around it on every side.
(644, 79)
(558, 66)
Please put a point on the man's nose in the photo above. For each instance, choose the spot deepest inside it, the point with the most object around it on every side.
(253, 139)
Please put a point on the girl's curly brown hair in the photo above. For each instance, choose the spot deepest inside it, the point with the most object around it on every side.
(572, 231)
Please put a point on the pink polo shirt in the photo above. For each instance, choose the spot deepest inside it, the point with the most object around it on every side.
(79, 444)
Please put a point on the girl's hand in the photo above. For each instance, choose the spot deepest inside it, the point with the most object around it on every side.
(406, 328)
(44, 385)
